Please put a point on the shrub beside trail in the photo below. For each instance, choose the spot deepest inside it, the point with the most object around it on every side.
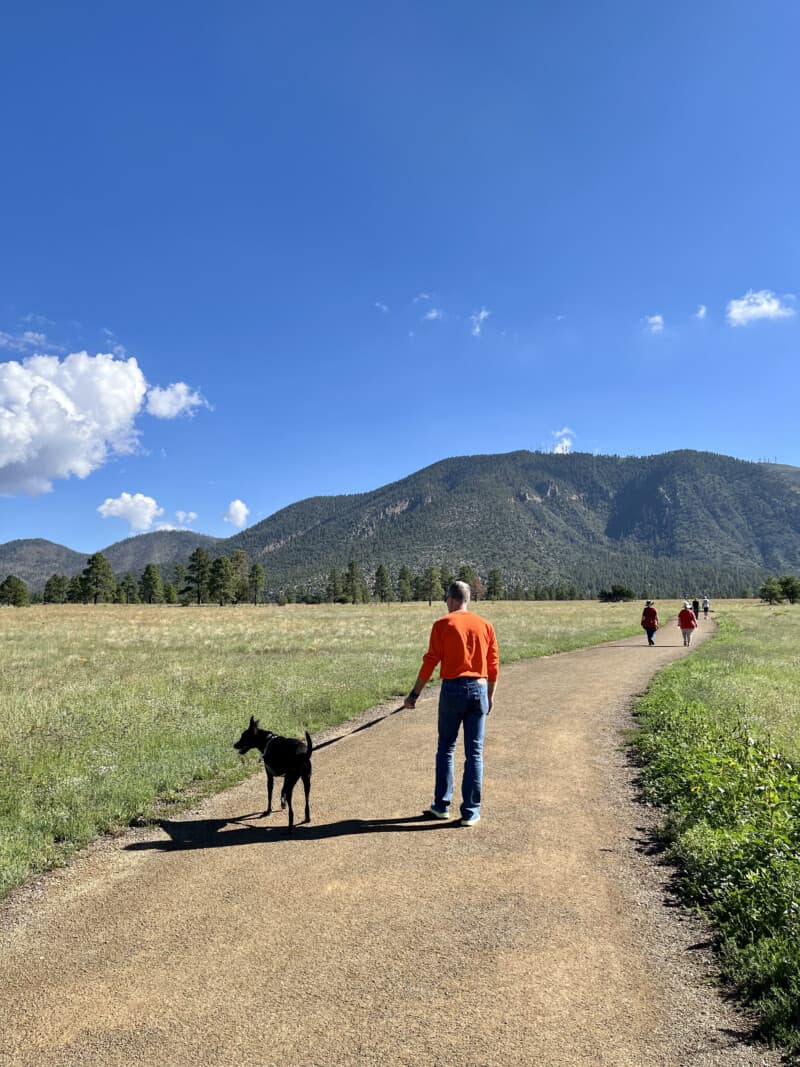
(717, 740)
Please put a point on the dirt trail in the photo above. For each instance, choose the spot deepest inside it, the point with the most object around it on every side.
(539, 937)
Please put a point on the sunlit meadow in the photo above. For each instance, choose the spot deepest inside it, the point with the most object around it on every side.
(110, 714)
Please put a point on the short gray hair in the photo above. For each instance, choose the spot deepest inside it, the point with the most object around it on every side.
(459, 591)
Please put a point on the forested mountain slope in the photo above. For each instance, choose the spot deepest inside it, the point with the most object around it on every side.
(670, 523)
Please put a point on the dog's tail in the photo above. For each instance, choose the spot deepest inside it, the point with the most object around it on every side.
(308, 743)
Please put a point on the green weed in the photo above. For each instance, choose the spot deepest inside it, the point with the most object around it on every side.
(719, 742)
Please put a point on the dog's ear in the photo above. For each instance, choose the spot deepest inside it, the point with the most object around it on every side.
(253, 723)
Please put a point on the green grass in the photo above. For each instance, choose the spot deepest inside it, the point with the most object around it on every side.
(719, 739)
(112, 714)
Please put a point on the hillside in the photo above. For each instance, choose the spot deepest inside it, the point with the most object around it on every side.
(669, 523)
(33, 560)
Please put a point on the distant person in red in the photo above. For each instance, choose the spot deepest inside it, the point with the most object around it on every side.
(687, 622)
(650, 621)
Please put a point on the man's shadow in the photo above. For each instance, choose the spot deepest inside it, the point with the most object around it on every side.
(216, 833)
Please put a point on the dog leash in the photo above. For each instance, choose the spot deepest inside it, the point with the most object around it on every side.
(358, 729)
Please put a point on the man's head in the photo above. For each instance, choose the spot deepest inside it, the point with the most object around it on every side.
(458, 595)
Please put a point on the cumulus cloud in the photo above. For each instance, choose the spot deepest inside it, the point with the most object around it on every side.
(61, 418)
(237, 513)
(563, 440)
(753, 306)
(138, 510)
(186, 518)
(421, 296)
(433, 314)
(176, 399)
(654, 323)
(381, 307)
(478, 320)
(701, 312)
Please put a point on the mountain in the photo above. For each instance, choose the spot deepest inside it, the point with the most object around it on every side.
(671, 524)
(34, 560)
(164, 547)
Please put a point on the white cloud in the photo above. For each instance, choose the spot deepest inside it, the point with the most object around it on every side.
(701, 312)
(654, 323)
(434, 313)
(478, 320)
(65, 417)
(563, 440)
(61, 418)
(237, 513)
(176, 399)
(381, 307)
(421, 296)
(763, 304)
(186, 518)
(138, 510)
(25, 341)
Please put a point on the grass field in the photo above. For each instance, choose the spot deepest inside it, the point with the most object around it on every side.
(110, 714)
(720, 740)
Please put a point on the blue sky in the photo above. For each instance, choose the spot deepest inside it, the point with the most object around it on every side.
(256, 252)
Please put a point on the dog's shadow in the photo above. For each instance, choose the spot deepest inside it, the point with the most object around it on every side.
(225, 833)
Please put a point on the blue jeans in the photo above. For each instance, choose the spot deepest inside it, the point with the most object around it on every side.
(462, 701)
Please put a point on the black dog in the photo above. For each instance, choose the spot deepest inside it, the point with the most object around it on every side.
(284, 757)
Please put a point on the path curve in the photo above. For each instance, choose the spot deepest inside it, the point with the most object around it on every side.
(542, 936)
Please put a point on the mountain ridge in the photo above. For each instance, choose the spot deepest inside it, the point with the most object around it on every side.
(670, 519)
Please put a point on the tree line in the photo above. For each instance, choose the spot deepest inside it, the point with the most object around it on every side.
(776, 590)
(234, 580)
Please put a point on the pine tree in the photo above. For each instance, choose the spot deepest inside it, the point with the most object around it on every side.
(333, 590)
(256, 582)
(446, 577)
(14, 592)
(198, 574)
(405, 586)
(76, 591)
(222, 581)
(790, 587)
(98, 579)
(495, 586)
(55, 589)
(430, 585)
(354, 586)
(151, 587)
(771, 591)
(240, 565)
(129, 590)
(383, 584)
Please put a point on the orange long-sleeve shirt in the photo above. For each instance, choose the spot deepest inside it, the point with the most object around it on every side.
(466, 647)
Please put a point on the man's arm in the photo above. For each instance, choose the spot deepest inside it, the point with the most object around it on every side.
(429, 661)
(411, 699)
(492, 687)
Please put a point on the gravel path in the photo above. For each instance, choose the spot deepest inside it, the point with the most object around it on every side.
(541, 937)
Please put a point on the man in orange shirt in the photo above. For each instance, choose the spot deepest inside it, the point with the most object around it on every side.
(466, 647)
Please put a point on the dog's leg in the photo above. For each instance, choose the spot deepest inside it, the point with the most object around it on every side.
(270, 781)
(289, 783)
(306, 776)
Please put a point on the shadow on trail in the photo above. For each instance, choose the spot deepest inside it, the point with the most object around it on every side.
(215, 833)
